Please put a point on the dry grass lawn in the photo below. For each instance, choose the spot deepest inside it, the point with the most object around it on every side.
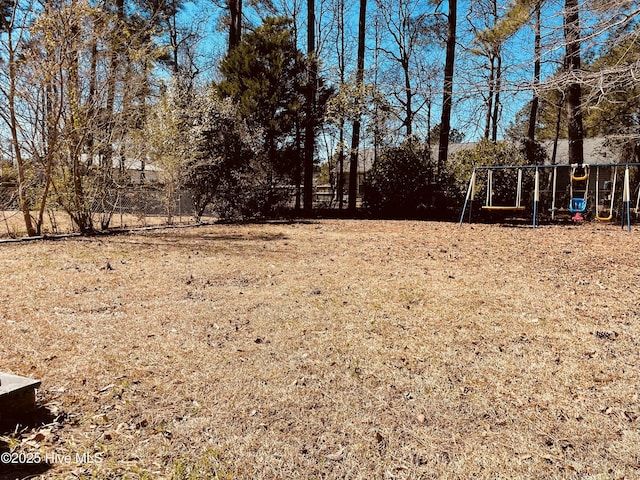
(12, 222)
(329, 349)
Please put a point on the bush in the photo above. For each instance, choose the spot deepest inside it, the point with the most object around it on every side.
(228, 170)
(457, 172)
(398, 182)
(248, 193)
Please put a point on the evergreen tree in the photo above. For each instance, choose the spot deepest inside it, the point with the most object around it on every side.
(265, 75)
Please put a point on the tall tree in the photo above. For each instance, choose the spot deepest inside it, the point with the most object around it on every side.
(490, 49)
(573, 89)
(312, 84)
(95, 86)
(409, 28)
(447, 95)
(181, 44)
(520, 13)
(266, 76)
(14, 26)
(339, 15)
(570, 82)
(617, 112)
(355, 133)
(535, 101)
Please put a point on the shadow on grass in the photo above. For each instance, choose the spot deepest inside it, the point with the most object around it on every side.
(196, 238)
(16, 464)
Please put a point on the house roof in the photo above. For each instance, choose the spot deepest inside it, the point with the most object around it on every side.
(365, 161)
(596, 151)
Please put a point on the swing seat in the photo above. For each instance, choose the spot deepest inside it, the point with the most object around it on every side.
(503, 208)
(580, 178)
(604, 219)
(577, 205)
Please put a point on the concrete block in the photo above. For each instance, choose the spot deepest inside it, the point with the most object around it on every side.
(17, 396)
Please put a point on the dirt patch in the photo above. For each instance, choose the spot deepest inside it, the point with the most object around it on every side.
(331, 349)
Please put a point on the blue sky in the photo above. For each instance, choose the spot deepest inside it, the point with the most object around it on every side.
(470, 82)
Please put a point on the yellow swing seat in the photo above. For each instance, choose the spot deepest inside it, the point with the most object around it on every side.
(581, 178)
(600, 217)
(503, 207)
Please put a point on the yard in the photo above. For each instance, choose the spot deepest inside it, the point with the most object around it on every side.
(329, 349)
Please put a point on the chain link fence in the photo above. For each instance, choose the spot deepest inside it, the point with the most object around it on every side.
(122, 208)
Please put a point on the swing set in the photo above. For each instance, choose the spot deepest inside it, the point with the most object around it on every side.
(579, 183)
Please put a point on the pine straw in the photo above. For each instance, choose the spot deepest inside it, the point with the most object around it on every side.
(332, 349)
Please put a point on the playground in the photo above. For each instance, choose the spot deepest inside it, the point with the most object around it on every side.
(604, 192)
(327, 349)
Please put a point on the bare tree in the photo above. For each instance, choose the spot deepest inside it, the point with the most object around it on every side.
(447, 95)
(15, 25)
(183, 42)
(489, 48)
(94, 84)
(535, 101)
(355, 133)
(409, 29)
(573, 88)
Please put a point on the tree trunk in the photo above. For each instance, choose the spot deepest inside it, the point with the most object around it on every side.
(13, 126)
(341, 67)
(340, 176)
(496, 97)
(355, 134)
(309, 137)
(408, 121)
(488, 116)
(50, 133)
(533, 115)
(554, 153)
(353, 166)
(297, 173)
(447, 97)
(573, 89)
(429, 139)
(79, 206)
(106, 151)
(235, 23)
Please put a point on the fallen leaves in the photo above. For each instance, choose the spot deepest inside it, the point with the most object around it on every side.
(397, 349)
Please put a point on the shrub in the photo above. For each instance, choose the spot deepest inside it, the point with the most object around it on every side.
(398, 182)
(457, 172)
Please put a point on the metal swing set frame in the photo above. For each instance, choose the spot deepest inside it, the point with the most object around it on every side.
(577, 204)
